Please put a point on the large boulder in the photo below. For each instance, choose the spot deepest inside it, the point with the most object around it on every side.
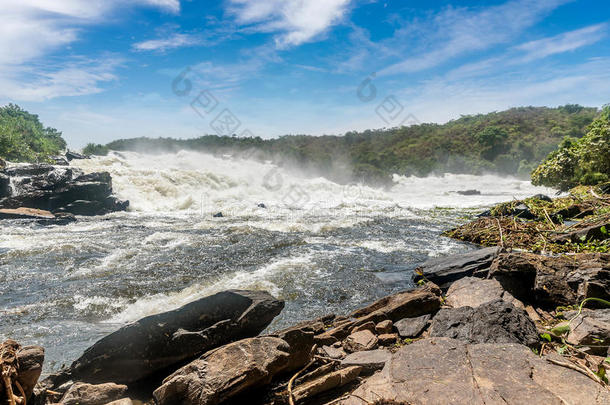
(495, 322)
(474, 291)
(551, 281)
(445, 270)
(60, 189)
(162, 341)
(592, 329)
(406, 304)
(223, 373)
(448, 371)
(90, 394)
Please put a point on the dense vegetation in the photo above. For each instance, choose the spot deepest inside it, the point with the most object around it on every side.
(95, 149)
(23, 138)
(510, 142)
(583, 160)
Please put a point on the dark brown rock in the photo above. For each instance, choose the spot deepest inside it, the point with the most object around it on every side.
(406, 304)
(553, 281)
(494, 322)
(160, 341)
(225, 372)
(30, 360)
(325, 383)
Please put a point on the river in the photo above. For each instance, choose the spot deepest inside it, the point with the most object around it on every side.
(321, 246)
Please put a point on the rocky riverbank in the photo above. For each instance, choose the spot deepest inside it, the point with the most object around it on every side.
(495, 325)
(54, 194)
(504, 328)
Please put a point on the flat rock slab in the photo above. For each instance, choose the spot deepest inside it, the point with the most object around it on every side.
(448, 371)
(25, 213)
(412, 327)
(370, 360)
(592, 328)
(223, 373)
(495, 322)
(160, 341)
(474, 291)
(445, 270)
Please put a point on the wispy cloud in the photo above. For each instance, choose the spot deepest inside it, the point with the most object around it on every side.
(172, 41)
(32, 29)
(293, 22)
(457, 31)
(566, 42)
(79, 78)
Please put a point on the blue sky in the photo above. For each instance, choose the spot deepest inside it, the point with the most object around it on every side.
(105, 69)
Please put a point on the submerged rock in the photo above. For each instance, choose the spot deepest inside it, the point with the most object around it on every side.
(161, 341)
(225, 372)
(445, 270)
(448, 371)
(469, 192)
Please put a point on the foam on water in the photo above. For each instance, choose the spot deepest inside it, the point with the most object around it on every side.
(201, 183)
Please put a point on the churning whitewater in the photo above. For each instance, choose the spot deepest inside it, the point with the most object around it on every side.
(321, 246)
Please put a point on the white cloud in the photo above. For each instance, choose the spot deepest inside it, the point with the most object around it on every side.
(173, 41)
(294, 22)
(457, 31)
(79, 78)
(566, 42)
(30, 30)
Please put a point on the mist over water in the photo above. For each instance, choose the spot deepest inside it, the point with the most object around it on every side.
(321, 246)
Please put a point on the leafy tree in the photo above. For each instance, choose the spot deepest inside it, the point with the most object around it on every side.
(492, 140)
(96, 149)
(23, 138)
(579, 161)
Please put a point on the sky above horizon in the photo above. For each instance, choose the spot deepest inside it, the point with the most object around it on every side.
(99, 70)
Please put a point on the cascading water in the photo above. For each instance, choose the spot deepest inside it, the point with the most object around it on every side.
(321, 246)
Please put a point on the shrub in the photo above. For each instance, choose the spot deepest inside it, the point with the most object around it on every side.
(579, 161)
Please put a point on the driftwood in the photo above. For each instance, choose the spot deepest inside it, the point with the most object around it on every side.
(9, 369)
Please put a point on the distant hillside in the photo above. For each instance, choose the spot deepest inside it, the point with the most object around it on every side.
(510, 142)
(23, 138)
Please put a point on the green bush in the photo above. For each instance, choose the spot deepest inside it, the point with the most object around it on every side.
(96, 149)
(578, 161)
(23, 138)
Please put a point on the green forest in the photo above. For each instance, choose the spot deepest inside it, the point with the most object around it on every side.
(23, 138)
(510, 142)
(572, 141)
